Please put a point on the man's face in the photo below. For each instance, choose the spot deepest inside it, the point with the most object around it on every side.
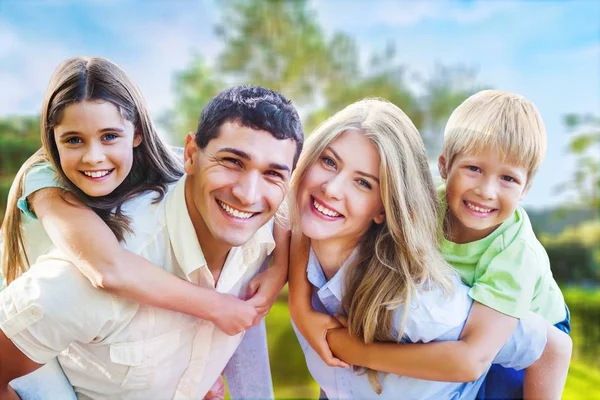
(235, 184)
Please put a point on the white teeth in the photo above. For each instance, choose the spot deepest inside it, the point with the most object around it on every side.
(478, 209)
(96, 174)
(233, 212)
(326, 211)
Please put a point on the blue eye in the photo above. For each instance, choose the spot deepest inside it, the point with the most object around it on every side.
(328, 161)
(473, 168)
(73, 140)
(508, 178)
(110, 136)
(364, 184)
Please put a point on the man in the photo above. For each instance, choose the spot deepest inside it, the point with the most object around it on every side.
(211, 229)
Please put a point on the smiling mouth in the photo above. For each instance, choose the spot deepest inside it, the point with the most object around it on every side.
(324, 210)
(235, 213)
(473, 207)
(97, 174)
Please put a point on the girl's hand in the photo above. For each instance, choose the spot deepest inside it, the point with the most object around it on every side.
(264, 288)
(232, 315)
(315, 332)
(217, 391)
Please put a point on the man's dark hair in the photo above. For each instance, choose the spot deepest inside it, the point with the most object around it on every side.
(254, 107)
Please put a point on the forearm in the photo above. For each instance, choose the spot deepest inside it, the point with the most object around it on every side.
(300, 290)
(281, 254)
(137, 279)
(108, 266)
(450, 361)
(546, 378)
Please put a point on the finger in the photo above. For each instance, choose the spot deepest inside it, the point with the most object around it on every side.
(258, 301)
(327, 356)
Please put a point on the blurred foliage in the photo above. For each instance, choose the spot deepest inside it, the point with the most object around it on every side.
(281, 45)
(19, 139)
(585, 312)
(575, 253)
(584, 145)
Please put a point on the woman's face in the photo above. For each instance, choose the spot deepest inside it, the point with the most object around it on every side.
(339, 195)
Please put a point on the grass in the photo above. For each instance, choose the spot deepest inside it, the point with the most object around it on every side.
(582, 382)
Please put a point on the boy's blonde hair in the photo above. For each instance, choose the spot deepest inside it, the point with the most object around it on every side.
(399, 257)
(503, 121)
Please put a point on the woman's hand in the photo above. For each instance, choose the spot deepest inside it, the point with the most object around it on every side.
(264, 288)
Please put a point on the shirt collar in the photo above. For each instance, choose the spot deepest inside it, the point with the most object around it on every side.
(317, 278)
(187, 250)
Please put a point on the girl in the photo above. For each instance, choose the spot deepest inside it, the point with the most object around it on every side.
(373, 229)
(100, 149)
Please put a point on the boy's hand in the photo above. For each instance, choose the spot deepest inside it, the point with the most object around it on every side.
(264, 288)
(232, 315)
(217, 391)
(315, 332)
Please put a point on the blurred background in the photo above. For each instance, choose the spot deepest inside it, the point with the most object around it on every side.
(425, 56)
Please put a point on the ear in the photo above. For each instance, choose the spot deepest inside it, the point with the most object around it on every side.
(442, 166)
(380, 218)
(189, 152)
(137, 139)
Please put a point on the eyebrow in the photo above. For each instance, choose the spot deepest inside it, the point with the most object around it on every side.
(246, 156)
(376, 179)
(68, 133)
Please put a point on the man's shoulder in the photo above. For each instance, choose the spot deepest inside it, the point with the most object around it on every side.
(147, 219)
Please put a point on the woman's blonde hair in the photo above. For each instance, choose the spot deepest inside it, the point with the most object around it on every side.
(401, 256)
(154, 166)
(503, 121)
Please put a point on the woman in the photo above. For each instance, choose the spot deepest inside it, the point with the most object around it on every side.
(373, 227)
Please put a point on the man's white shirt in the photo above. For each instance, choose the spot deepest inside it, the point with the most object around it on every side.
(112, 348)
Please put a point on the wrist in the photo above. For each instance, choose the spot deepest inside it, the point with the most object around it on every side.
(211, 308)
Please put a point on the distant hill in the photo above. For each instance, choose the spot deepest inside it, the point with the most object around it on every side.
(556, 219)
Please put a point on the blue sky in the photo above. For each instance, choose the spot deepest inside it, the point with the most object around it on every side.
(546, 51)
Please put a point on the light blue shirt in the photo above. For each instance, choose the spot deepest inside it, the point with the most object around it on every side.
(432, 317)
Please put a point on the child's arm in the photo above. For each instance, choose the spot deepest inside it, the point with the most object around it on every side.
(311, 324)
(264, 288)
(545, 379)
(88, 242)
(465, 360)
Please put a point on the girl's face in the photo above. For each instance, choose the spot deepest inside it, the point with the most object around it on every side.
(95, 144)
(339, 195)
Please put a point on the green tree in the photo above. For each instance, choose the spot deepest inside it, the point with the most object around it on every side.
(194, 87)
(584, 145)
(277, 44)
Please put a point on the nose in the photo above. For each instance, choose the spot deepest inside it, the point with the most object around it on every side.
(333, 188)
(94, 154)
(487, 189)
(247, 189)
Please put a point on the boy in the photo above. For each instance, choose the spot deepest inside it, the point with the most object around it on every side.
(494, 143)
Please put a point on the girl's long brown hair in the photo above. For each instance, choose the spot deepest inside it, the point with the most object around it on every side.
(77, 80)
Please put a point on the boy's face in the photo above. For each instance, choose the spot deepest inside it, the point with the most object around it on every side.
(482, 192)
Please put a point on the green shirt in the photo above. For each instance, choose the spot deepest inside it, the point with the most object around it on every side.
(509, 270)
(38, 177)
